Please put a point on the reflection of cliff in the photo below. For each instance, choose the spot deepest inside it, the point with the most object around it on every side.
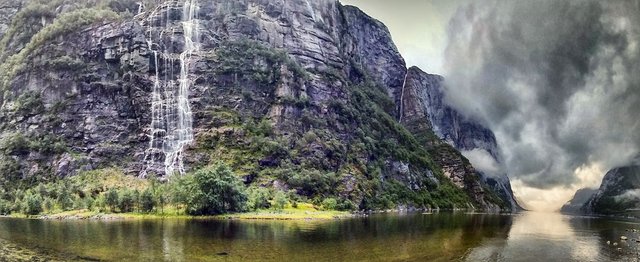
(415, 237)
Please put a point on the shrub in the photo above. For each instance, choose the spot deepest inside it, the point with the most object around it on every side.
(147, 201)
(329, 203)
(345, 205)
(33, 204)
(126, 201)
(280, 200)
(78, 203)
(48, 204)
(111, 199)
(311, 182)
(14, 144)
(65, 198)
(100, 203)
(5, 207)
(215, 190)
(161, 197)
(258, 198)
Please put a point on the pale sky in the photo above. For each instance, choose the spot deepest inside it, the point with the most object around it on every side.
(418, 27)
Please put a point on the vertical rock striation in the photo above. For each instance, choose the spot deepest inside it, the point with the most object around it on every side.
(298, 95)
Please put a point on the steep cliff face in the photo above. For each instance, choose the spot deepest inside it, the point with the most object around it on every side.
(619, 193)
(8, 9)
(581, 197)
(424, 108)
(297, 95)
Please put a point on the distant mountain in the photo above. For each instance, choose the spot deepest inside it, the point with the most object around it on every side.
(619, 193)
(581, 197)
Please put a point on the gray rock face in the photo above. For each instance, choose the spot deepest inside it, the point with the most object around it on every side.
(619, 193)
(424, 97)
(370, 39)
(86, 97)
(581, 197)
(8, 9)
(424, 107)
(108, 110)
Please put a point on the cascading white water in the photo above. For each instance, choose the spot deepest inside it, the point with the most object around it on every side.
(404, 84)
(171, 116)
(182, 123)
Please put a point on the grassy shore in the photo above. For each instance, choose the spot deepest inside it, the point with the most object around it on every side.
(303, 211)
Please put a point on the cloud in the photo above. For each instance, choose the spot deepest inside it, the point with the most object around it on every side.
(629, 195)
(483, 162)
(557, 81)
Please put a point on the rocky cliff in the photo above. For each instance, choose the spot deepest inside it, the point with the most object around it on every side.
(296, 95)
(619, 193)
(424, 108)
(578, 200)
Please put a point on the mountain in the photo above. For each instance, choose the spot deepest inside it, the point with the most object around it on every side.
(576, 203)
(304, 96)
(619, 193)
(424, 110)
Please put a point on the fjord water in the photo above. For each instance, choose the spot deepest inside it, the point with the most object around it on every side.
(412, 237)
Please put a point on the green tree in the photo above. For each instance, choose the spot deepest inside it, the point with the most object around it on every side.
(65, 198)
(280, 200)
(215, 190)
(160, 196)
(112, 199)
(100, 203)
(136, 200)
(33, 204)
(258, 198)
(5, 207)
(48, 204)
(330, 203)
(147, 201)
(126, 202)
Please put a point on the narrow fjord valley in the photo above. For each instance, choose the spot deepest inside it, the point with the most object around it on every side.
(288, 130)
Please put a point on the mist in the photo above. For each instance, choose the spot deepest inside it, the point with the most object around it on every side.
(557, 81)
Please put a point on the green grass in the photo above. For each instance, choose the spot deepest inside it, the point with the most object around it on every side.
(304, 211)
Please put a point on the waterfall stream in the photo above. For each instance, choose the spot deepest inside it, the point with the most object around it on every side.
(171, 117)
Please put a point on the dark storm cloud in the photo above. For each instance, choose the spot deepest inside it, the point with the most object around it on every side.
(558, 81)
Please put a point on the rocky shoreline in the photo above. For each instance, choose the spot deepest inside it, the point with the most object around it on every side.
(263, 215)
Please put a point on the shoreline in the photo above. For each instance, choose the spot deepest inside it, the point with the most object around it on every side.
(264, 215)
(259, 215)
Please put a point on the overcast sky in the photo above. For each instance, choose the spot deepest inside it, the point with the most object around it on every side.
(557, 81)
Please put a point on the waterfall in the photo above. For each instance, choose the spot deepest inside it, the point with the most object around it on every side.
(182, 124)
(171, 117)
(404, 84)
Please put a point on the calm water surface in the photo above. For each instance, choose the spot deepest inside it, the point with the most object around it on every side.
(413, 237)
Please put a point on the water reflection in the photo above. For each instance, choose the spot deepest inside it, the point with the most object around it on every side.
(557, 237)
(415, 237)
